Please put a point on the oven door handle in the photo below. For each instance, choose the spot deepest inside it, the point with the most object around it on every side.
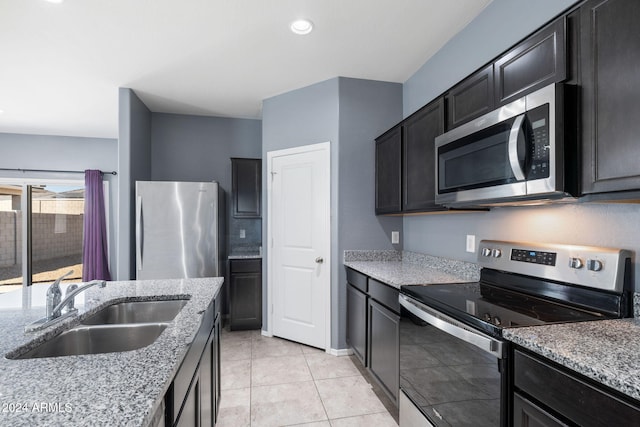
(453, 327)
(514, 135)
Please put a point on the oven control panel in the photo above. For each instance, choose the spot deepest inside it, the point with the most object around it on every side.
(535, 257)
(589, 266)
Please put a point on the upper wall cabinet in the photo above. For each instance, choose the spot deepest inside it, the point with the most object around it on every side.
(610, 79)
(405, 163)
(246, 187)
(470, 98)
(536, 62)
(389, 171)
(418, 159)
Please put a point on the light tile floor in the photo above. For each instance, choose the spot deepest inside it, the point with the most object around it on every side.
(274, 382)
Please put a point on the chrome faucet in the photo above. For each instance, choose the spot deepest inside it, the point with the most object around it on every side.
(55, 303)
(54, 295)
(68, 300)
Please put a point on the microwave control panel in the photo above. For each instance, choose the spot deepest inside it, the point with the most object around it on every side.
(539, 155)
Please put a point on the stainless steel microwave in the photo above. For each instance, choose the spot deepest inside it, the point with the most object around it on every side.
(517, 153)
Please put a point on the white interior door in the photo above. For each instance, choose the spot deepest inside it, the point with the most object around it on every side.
(299, 257)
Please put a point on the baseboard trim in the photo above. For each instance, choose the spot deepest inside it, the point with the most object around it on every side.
(340, 351)
(266, 333)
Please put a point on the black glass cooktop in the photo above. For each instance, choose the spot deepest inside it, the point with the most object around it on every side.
(495, 306)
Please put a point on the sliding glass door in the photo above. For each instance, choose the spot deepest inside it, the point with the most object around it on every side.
(41, 232)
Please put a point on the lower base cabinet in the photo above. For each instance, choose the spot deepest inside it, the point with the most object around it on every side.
(384, 348)
(357, 322)
(245, 294)
(373, 329)
(193, 399)
(557, 396)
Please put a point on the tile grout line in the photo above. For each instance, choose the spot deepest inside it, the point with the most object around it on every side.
(315, 385)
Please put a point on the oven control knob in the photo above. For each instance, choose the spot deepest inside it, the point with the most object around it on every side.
(496, 253)
(486, 252)
(594, 265)
(487, 317)
(497, 321)
(575, 263)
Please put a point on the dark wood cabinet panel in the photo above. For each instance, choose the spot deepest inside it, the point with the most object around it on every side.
(389, 172)
(383, 345)
(538, 61)
(418, 136)
(526, 414)
(193, 397)
(610, 78)
(245, 294)
(569, 395)
(357, 322)
(246, 187)
(471, 98)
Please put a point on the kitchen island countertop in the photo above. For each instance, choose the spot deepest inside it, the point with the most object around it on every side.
(608, 351)
(123, 388)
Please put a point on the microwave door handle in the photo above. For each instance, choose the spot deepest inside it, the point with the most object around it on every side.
(514, 134)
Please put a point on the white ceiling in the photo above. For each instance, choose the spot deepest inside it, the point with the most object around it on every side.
(61, 65)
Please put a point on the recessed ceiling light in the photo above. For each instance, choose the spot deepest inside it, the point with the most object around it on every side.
(301, 26)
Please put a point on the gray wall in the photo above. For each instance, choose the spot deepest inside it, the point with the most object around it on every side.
(614, 225)
(134, 164)
(367, 109)
(65, 153)
(301, 117)
(349, 113)
(199, 148)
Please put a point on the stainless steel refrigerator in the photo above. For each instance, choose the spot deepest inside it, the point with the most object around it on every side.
(179, 229)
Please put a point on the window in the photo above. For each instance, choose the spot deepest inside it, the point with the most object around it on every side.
(41, 232)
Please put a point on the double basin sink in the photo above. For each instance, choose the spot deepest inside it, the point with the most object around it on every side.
(123, 326)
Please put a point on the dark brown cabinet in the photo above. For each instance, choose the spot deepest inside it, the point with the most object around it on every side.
(405, 168)
(418, 163)
(389, 171)
(384, 345)
(610, 78)
(471, 98)
(569, 398)
(357, 325)
(193, 397)
(246, 187)
(373, 329)
(245, 294)
(534, 63)
(538, 61)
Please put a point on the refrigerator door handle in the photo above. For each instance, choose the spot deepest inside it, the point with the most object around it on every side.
(139, 233)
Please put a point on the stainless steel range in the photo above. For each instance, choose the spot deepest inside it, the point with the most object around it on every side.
(453, 361)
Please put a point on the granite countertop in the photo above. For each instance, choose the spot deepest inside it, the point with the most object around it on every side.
(124, 388)
(410, 268)
(607, 351)
(245, 256)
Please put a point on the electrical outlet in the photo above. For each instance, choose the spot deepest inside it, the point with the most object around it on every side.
(243, 233)
(395, 237)
(471, 243)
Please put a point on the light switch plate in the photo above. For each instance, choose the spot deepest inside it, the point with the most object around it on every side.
(471, 243)
(243, 233)
(395, 237)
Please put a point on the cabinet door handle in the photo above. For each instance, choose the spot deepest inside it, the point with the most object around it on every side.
(319, 260)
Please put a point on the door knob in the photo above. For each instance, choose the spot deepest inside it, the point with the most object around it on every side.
(319, 260)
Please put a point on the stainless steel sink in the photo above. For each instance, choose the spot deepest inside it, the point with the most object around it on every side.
(97, 339)
(137, 312)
